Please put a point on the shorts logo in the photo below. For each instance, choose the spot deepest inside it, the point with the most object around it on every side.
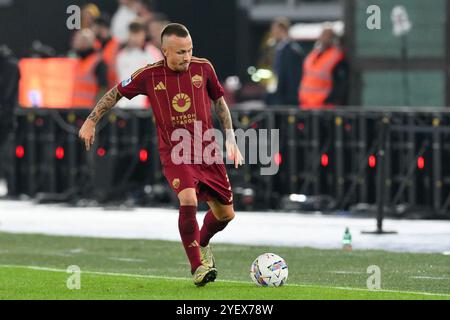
(197, 81)
(181, 102)
(126, 82)
(176, 183)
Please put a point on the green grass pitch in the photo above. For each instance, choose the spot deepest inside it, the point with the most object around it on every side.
(35, 267)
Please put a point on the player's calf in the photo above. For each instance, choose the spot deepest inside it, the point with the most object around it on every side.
(211, 226)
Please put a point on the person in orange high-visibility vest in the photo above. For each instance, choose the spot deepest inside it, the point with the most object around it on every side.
(91, 72)
(323, 85)
(108, 45)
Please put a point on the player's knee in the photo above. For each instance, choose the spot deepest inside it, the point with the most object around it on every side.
(228, 217)
(188, 197)
(188, 201)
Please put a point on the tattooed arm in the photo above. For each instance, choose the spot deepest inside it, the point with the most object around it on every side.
(87, 131)
(108, 101)
(224, 115)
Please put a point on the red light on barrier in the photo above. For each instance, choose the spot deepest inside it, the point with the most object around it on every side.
(143, 155)
(278, 159)
(20, 152)
(324, 160)
(39, 122)
(101, 152)
(420, 163)
(59, 153)
(372, 161)
(121, 123)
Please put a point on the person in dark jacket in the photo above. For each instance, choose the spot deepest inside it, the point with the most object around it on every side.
(287, 64)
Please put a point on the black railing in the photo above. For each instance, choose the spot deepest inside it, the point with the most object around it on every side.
(333, 153)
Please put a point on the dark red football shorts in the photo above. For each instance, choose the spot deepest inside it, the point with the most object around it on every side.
(210, 181)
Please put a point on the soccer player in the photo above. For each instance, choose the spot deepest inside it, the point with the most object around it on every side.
(180, 88)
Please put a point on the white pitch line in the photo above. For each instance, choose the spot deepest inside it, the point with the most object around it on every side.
(430, 278)
(226, 281)
(127, 259)
(346, 272)
(76, 250)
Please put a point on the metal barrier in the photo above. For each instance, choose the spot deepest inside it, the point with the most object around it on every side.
(333, 153)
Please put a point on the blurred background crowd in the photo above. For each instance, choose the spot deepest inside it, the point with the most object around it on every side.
(117, 39)
(277, 61)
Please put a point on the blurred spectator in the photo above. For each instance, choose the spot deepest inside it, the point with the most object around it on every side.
(154, 29)
(108, 46)
(144, 9)
(325, 75)
(91, 74)
(9, 84)
(89, 13)
(126, 14)
(131, 58)
(287, 64)
(40, 50)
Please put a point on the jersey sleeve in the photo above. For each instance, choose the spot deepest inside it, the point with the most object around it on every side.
(215, 90)
(133, 86)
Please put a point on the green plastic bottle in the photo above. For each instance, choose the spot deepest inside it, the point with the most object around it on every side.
(347, 240)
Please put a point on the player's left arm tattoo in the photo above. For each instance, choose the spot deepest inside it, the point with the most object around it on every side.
(224, 115)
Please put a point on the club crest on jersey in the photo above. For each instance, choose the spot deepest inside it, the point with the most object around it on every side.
(181, 102)
(197, 81)
(126, 82)
(176, 183)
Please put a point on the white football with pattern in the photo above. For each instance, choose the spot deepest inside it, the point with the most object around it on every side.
(269, 270)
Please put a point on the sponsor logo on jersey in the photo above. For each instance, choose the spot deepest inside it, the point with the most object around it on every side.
(181, 102)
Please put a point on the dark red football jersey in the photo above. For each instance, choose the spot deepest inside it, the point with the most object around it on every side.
(178, 99)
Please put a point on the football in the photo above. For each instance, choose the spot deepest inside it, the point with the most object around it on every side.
(269, 270)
